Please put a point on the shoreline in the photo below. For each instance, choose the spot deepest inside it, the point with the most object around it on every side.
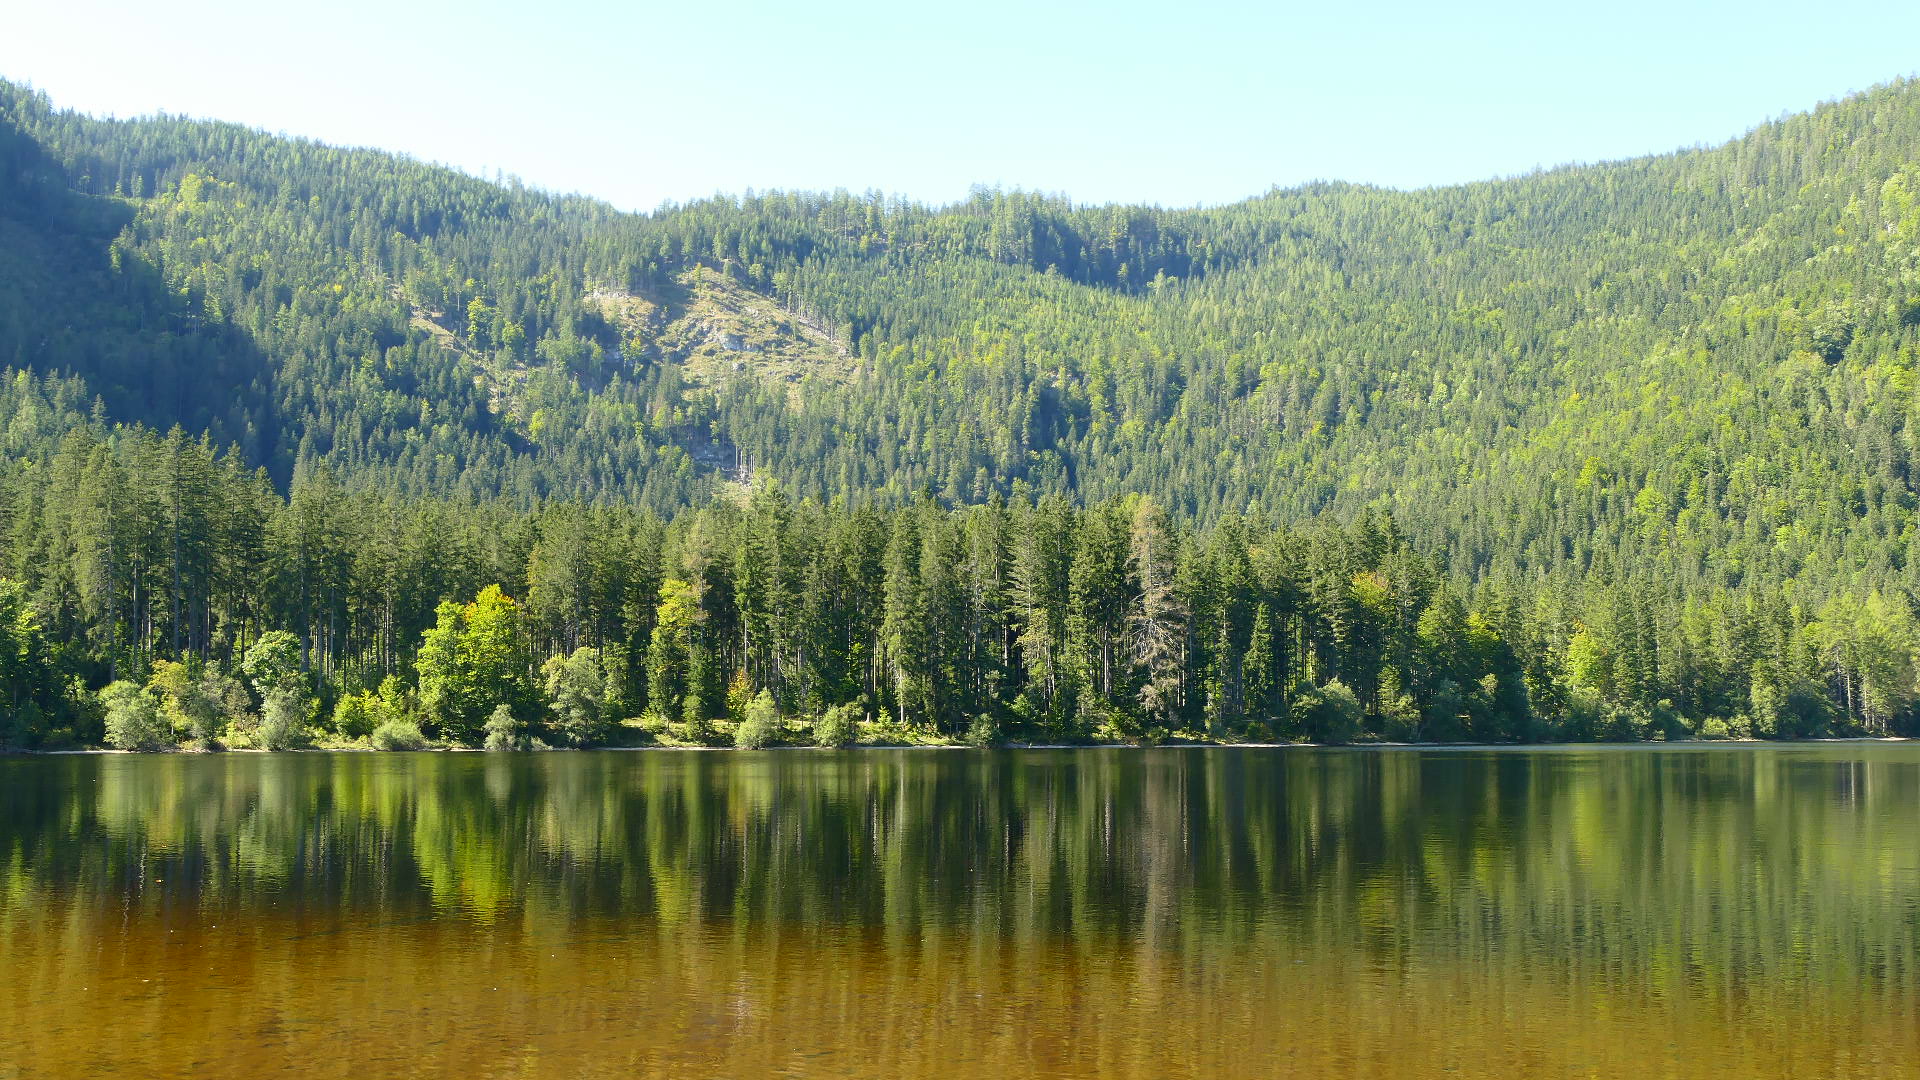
(1696, 744)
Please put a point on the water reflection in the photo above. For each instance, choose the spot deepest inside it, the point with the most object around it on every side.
(892, 913)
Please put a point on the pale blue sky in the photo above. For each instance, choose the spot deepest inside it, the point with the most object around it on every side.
(1172, 103)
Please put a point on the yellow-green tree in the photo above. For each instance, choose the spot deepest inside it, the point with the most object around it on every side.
(474, 659)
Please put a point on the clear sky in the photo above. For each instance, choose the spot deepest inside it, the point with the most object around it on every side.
(1204, 101)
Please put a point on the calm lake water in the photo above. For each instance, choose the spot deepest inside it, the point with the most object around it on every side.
(1632, 912)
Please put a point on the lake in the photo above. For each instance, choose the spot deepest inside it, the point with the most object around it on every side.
(1630, 912)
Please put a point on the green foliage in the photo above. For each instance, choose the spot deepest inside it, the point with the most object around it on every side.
(198, 706)
(579, 692)
(1051, 622)
(984, 730)
(355, 716)
(739, 696)
(1601, 452)
(284, 718)
(1328, 714)
(1868, 644)
(473, 659)
(133, 719)
(272, 662)
(398, 734)
(671, 644)
(503, 731)
(1157, 620)
(838, 726)
(759, 725)
(32, 696)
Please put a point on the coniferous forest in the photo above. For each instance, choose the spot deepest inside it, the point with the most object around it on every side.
(302, 445)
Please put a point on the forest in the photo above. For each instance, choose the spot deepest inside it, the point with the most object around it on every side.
(310, 446)
(168, 596)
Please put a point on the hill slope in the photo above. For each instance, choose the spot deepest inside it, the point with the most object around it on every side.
(1680, 384)
(1693, 351)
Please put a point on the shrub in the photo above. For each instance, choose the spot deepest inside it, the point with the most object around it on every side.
(1445, 710)
(19, 727)
(357, 715)
(578, 690)
(283, 718)
(1716, 727)
(503, 731)
(759, 724)
(1329, 714)
(398, 734)
(1623, 724)
(134, 721)
(838, 726)
(693, 715)
(1585, 716)
(1797, 711)
(197, 704)
(1668, 722)
(984, 731)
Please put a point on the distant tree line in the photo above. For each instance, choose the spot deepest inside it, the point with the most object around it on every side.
(159, 593)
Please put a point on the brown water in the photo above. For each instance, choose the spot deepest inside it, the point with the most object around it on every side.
(1630, 912)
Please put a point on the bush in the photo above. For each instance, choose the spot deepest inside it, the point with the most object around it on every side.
(1445, 710)
(21, 726)
(1622, 724)
(1790, 712)
(693, 717)
(1329, 714)
(197, 704)
(399, 734)
(134, 721)
(984, 731)
(739, 696)
(283, 718)
(760, 723)
(1717, 727)
(503, 731)
(1584, 718)
(357, 715)
(838, 726)
(1668, 722)
(578, 690)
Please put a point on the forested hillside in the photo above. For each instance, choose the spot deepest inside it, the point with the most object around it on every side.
(1618, 450)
